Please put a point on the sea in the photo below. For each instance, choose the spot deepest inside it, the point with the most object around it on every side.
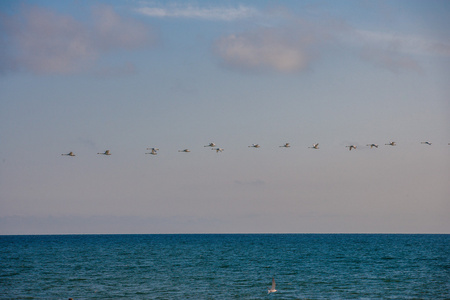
(225, 266)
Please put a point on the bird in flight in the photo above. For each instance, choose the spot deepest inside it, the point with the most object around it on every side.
(351, 147)
(105, 153)
(391, 144)
(185, 150)
(287, 145)
(315, 146)
(217, 149)
(427, 143)
(272, 288)
(69, 154)
(153, 151)
(210, 145)
(255, 146)
(372, 145)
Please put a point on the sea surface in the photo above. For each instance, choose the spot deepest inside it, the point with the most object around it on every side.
(225, 266)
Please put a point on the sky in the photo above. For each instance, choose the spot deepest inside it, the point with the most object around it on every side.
(89, 76)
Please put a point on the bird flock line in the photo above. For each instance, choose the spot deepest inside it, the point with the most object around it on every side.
(213, 146)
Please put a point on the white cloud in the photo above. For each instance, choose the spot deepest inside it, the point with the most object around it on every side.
(282, 50)
(294, 47)
(406, 44)
(112, 31)
(395, 51)
(189, 11)
(42, 41)
(46, 42)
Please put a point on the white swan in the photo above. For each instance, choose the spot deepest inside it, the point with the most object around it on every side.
(315, 146)
(185, 150)
(105, 153)
(210, 145)
(69, 154)
(372, 145)
(153, 151)
(287, 145)
(351, 147)
(255, 146)
(272, 288)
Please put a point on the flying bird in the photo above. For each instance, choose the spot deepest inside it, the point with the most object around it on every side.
(105, 153)
(351, 147)
(255, 146)
(69, 154)
(391, 144)
(372, 145)
(185, 150)
(210, 145)
(217, 149)
(153, 151)
(287, 145)
(427, 143)
(315, 146)
(272, 288)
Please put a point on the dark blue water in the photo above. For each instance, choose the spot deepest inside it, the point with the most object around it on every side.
(305, 266)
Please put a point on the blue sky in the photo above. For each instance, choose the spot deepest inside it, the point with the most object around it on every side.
(87, 76)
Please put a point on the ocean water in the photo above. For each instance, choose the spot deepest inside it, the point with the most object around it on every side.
(229, 266)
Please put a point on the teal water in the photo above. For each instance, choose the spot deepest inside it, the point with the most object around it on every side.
(235, 266)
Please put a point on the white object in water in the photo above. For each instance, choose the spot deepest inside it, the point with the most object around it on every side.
(272, 288)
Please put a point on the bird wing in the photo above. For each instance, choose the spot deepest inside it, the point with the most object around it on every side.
(273, 283)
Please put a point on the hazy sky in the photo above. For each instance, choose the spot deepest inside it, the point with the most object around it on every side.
(87, 76)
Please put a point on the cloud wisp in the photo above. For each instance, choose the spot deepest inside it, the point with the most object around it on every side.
(45, 42)
(407, 44)
(195, 12)
(284, 49)
(263, 49)
(294, 47)
(397, 52)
